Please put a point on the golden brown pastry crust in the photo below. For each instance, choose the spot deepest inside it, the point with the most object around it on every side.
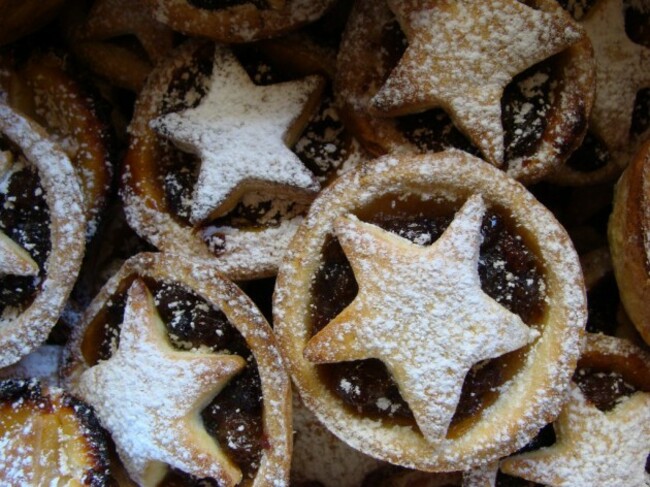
(201, 277)
(44, 89)
(510, 422)
(20, 333)
(629, 240)
(238, 23)
(362, 69)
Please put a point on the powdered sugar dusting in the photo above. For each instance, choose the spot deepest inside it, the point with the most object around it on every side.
(461, 56)
(622, 69)
(149, 397)
(593, 447)
(429, 331)
(235, 136)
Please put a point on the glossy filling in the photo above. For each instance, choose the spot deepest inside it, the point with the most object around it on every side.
(323, 146)
(525, 104)
(24, 218)
(234, 417)
(509, 273)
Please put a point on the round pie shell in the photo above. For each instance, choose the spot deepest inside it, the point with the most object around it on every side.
(527, 402)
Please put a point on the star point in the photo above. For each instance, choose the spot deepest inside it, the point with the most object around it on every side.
(593, 447)
(242, 133)
(622, 69)
(421, 311)
(149, 396)
(462, 55)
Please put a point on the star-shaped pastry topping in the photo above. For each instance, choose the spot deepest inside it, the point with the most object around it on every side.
(593, 447)
(420, 310)
(114, 18)
(462, 54)
(622, 69)
(149, 397)
(14, 260)
(241, 132)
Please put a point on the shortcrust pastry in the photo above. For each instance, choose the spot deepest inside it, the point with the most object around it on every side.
(184, 374)
(117, 39)
(510, 80)
(411, 339)
(237, 20)
(603, 429)
(45, 88)
(43, 226)
(619, 120)
(629, 239)
(47, 437)
(210, 171)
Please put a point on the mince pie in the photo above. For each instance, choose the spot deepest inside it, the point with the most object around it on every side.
(237, 20)
(225, 155)
(620, 119)
(42, 229)
(117, 39)
(184, 374)
(629, 239)
(430, 310)
(45, 88)
(603, 433)
(510, 80)
(48, 437)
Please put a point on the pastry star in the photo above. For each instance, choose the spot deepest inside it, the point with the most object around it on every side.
(422, 312)
(461, 56)
(149, 396)
(593, 447)
(622, 69)
(241, 131)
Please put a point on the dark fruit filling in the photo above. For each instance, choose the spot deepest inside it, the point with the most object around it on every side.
(24, 218)
(591, 155)
(604, 389)
(234, 417)
(509, 273)
(220, 4)
(525, 104)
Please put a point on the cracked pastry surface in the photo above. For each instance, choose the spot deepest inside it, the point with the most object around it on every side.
(224, 416)
(405, 424)
(43, 213)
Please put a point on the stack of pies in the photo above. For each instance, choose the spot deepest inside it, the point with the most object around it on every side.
(323, 243)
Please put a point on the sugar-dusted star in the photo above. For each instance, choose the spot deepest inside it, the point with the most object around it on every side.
(422, 312)
(622, 69)
(14, 260)
(149, 397)
(593, 447)
(115, 18)
(241, 132)
(462, 54)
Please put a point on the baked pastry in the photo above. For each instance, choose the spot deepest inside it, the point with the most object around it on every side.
(610, 405)
(368, 319)
(47, 437)
(629, 241)
(42, 219)
(117, 39)
(401, 94)
(184, 374)
(619, 120)
(45, 88)
(234, 195)
(237, 21)
(21, 17)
